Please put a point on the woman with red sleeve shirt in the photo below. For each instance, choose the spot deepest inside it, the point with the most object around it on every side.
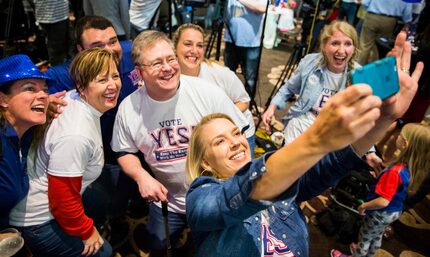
(69, 158)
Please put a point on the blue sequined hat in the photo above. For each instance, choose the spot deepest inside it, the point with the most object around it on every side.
(18, 67)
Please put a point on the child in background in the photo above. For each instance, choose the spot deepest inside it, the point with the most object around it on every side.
(385, 200)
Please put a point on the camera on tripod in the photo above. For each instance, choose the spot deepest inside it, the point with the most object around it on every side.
(196, 3)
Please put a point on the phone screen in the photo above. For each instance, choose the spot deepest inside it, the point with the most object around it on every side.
(380, 75)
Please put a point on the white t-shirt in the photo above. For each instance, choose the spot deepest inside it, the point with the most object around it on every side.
(142, 11)
(227, 80)
(296, 126)
(161, 130)
(72, 147)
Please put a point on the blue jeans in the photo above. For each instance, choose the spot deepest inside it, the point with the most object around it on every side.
(348, 10)
(49, 239)
(251, 142)
(358, 26)
(247, 57)
(156, 238)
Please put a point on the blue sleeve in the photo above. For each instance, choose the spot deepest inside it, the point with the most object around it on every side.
(328, 171)
(61, 78)
(127, 63)
(213, 204)
(291, 86)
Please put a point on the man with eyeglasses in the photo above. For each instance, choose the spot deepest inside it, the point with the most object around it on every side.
(91, 32)
(157, 120)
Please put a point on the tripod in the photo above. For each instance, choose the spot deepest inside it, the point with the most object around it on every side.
(300, 50)
(216, 33)
(292, 62)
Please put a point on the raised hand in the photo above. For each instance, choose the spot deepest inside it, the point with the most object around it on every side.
(55, 102)
(395, 106)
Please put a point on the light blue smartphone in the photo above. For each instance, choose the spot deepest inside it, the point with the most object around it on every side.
(380, 75)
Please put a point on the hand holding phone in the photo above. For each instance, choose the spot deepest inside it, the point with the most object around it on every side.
(380, 75)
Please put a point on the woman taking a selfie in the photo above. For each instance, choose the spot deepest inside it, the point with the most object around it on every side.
(238, 207)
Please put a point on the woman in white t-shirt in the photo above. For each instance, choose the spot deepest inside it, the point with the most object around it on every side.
(69, 158)
(189, 44)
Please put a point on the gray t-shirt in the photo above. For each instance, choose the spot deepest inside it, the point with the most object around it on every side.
(297, 125)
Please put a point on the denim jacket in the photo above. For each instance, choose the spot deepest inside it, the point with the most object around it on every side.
(307, 81)
(226, 222)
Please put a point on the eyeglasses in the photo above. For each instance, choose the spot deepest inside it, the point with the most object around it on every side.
(158, 64)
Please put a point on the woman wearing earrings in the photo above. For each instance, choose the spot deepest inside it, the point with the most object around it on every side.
(70, 157)
(242, 207)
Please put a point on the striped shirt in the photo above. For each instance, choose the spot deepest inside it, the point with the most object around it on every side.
(51, 11)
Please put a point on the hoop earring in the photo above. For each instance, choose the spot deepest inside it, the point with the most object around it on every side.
(83, 97)
(207, 173)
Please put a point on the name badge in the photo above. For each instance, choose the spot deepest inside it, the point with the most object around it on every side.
(313, 79)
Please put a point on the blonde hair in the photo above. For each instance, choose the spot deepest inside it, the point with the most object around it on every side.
(178, 33)
(197, 148)
(345, 28)
(147, 39)
(88, 64)
(416, 154)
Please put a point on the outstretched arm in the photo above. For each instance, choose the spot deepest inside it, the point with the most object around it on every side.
(375, 204)
(353, 116)
(345, 118)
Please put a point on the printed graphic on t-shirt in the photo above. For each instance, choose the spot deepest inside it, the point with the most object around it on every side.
(134, 76)
(331, 85)
(171, 140)
(272, 246)
(326, 93)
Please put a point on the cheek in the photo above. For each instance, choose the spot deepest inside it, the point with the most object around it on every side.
(15, 106)
(201, 52)
(118, 51)
(91, 92)
(216, 154)
(182, 49)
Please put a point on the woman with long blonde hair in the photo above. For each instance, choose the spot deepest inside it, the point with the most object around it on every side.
(242, 207)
